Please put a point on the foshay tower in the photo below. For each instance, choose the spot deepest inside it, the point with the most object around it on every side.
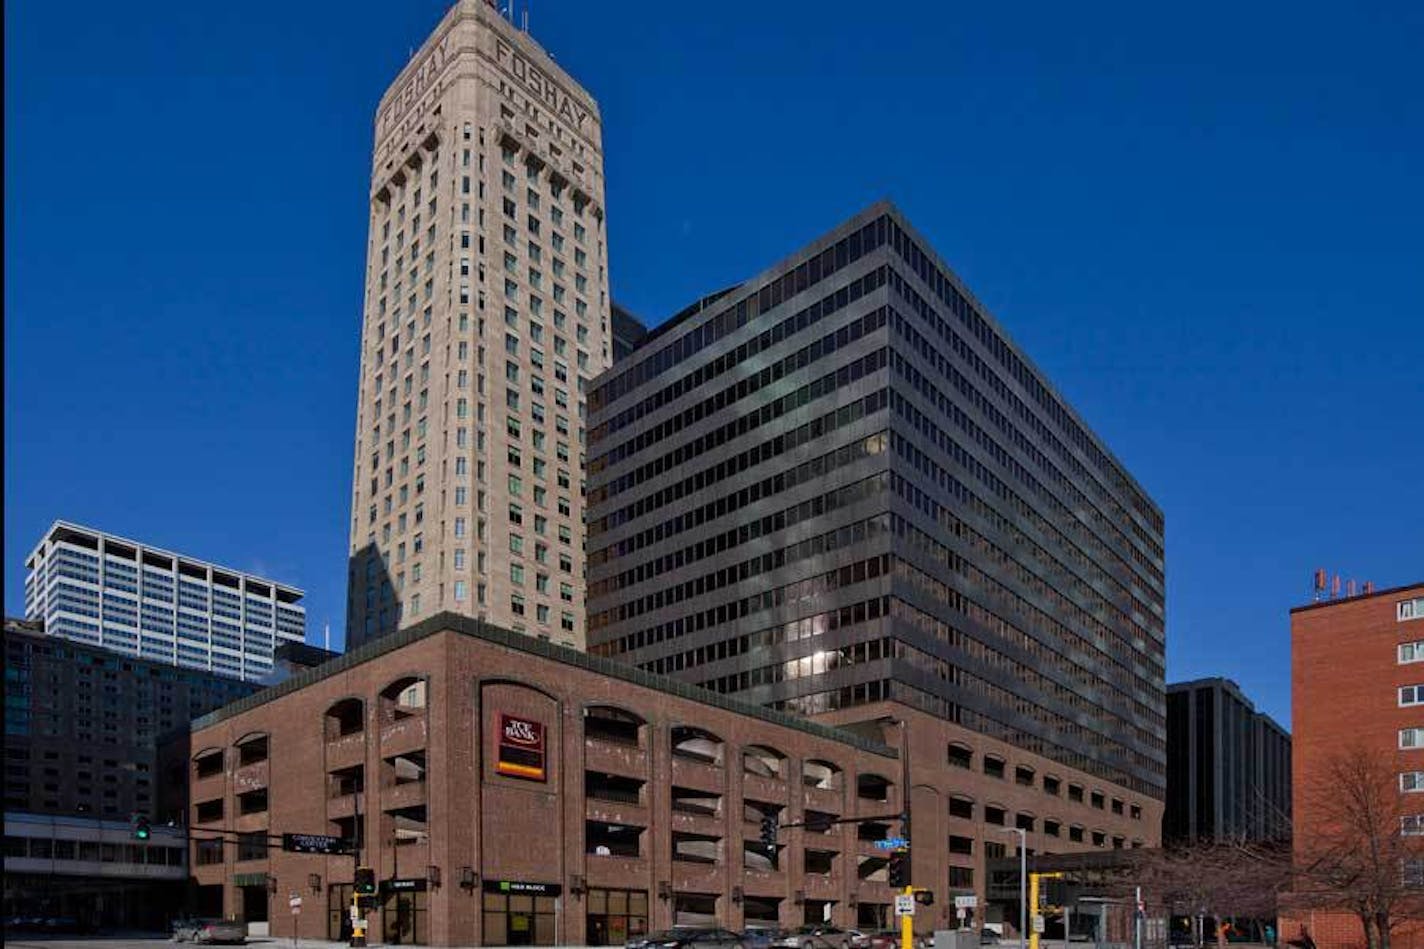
(486, 314)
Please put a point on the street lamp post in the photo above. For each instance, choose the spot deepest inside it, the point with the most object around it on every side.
(1023, 882)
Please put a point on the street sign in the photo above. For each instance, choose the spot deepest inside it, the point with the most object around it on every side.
(315, 843)
(891, 843)
(966, 902)
(962, 913)
(1038, 924)
(295, 901)
(905, 904)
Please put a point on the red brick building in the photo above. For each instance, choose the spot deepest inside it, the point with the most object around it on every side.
(1357, 679)
(507, 791)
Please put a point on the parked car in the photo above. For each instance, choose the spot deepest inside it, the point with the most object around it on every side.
(885, 939)
(687, 937)
(988, 937)
(858, 939)
(209, 931)
(762, 937)
(815, 937)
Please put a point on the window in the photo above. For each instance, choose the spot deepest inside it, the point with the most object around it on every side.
(1075, 834)
(1097, 800)
(1075, 793)
(460, 591)
(960, 756)
(994, 767)
(1411, 652)
(1411, 695)
(1411, 738)
(1410, 609)
(1412, 825)
(961, 807)
(1052, 785)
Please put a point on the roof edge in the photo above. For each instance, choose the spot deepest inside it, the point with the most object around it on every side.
(447, 622)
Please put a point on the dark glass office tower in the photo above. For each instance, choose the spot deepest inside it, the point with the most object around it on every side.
(1228, 766)
(839, 483)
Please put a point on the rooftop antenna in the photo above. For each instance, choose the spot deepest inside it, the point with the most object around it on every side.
(1319, 584)
(326, 637)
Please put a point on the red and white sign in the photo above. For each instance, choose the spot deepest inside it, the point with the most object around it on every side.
(521, 748)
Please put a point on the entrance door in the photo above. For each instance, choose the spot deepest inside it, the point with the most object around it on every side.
(338, 912)
(403, 919)
(254, 909)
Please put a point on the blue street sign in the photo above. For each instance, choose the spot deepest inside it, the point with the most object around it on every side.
(891, 843)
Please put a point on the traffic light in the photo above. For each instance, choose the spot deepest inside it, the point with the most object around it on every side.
(139, 827)
(365, 881)
(769, 827)
(899, 868)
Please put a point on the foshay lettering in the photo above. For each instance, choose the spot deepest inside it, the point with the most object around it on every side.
(544, 89)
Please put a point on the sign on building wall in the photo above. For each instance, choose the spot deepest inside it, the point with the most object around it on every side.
(521, 748)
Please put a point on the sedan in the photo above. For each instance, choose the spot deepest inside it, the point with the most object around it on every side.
(815, 937)
(688, 938)
(209, 931)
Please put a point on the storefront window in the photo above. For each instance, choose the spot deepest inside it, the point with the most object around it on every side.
(518, 920)
(615, 916)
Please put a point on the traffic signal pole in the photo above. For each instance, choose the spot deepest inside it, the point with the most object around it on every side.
(907, 924)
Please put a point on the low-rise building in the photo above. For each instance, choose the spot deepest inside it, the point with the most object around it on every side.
(507, 790)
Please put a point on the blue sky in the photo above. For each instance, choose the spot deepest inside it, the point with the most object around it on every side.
(1203, 223)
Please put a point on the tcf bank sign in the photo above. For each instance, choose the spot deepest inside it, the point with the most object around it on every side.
(521, 748)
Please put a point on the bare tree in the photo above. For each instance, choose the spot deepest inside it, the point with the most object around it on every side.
(1221, 879)
(1359, 848)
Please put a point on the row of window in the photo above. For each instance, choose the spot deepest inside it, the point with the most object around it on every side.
(947, 289)
(1121, 672)
(834, 258)
(691, 485)
(937, 591)
(715, 402)
(1012, 435)
(948, 410)
(1078, 656)
(1038, 432)
(812, 508)
(784, 329)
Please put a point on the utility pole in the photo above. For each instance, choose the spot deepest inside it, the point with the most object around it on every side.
(1023, 882)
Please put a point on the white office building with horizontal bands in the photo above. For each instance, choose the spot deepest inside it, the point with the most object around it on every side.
(138, 600)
